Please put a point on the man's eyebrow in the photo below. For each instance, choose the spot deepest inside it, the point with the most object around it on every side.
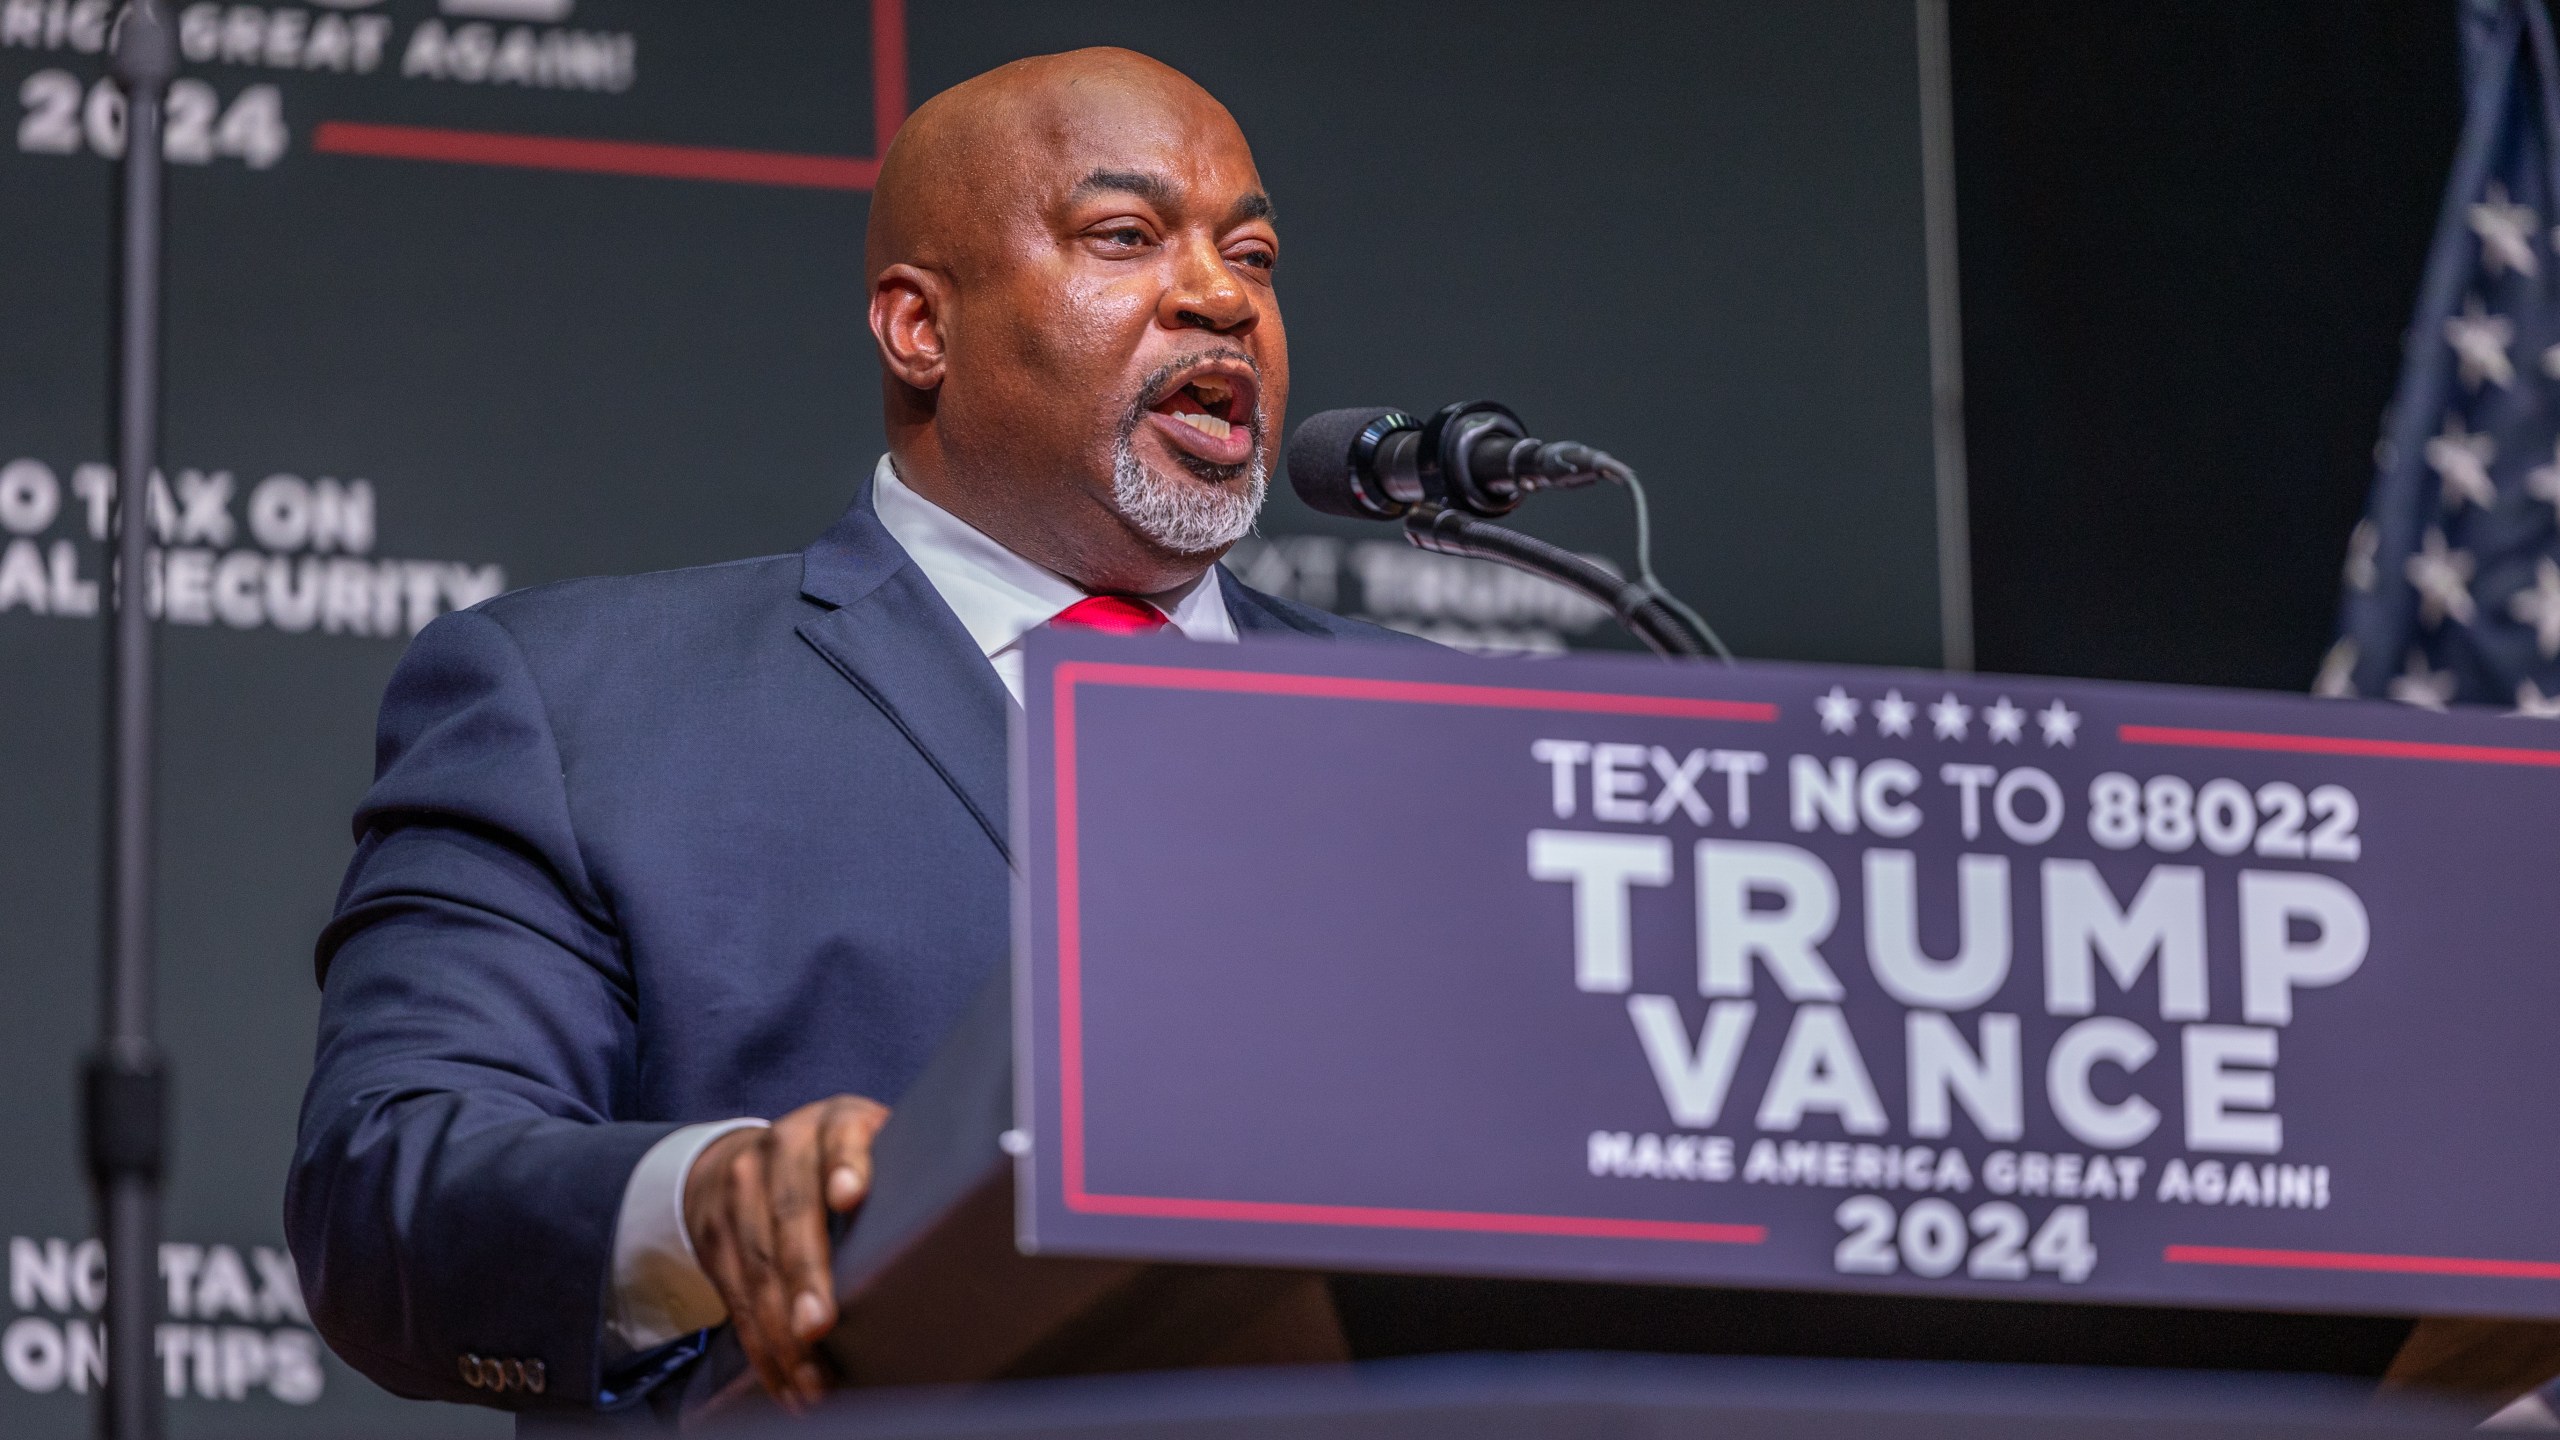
(1159, 192)
(1154, 189)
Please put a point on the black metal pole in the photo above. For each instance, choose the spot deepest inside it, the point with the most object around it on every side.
(125, 1086)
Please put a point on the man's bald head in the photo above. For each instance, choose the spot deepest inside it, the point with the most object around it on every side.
(1069, 255)
(967, 152)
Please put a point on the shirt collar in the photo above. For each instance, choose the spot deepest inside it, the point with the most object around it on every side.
(999, 596)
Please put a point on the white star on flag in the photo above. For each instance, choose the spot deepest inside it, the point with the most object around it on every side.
(2427, 689)
(2532, 704)
(2479, 340)
(2004, 721)
(2443, 578)
(2060, 724)
(2506, 233)
(2461, 460)
(1839, 712)
(2539, 607)
(2542, 482)
(2337, 678)
(1949, 716)
(2362, 547)
(1893, 714)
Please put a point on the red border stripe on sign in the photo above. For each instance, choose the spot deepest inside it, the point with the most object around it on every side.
(1410, 692)
(2354, 1260)
(1071, 950)
(2336, 745)
(1389, 1218)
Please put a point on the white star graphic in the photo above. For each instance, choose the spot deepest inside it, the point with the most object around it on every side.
(2539, 607)
(2337, 678)
(2479, 340)
(2362, 547)
(1839, 712)
(1949, 716)
(2532, 704)
(2443, 578)
(2542, 482)
(1893, 714)
(2427, 689)
(2461, 460)
(2506, 233)
(2060, 724)
(2004, 721)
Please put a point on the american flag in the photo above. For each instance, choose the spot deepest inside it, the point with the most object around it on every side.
(2453, 579)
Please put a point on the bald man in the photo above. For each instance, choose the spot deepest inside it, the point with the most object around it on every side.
(661, 877)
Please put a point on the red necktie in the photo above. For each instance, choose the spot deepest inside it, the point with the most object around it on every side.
(1111, 614)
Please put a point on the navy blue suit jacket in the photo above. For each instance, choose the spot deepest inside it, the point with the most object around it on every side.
(639, 852)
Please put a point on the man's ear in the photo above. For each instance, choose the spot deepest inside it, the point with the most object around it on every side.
(907, 311)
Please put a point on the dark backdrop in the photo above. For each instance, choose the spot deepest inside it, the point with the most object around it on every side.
(1688, 233)
(1691, 233)
(2191, 235)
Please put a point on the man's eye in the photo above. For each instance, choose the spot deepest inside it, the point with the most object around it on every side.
(1129, 235)
(1260, 259)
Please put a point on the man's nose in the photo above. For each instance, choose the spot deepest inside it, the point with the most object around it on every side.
(1206, 293)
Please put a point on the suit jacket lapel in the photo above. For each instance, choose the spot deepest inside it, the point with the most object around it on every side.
(1252, 614)
(888, 631)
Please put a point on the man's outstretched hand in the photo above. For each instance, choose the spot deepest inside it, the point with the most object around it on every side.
(756, 1205)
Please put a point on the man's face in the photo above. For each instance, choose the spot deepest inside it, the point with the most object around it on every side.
(1123, 338)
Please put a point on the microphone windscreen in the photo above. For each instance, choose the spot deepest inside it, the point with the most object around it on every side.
(1320, 460)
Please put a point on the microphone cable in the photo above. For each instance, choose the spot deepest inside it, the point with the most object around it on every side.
(1620, 473)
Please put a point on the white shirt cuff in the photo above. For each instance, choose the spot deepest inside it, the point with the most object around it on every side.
(659, 1291)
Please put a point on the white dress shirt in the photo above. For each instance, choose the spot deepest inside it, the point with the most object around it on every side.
(659, 1291)
(1001, 597)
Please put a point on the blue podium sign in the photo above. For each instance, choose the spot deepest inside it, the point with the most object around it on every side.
(1376, 958)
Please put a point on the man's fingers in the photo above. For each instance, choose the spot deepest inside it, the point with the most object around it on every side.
(741, 1280)
(758, 1305)
(802, 1288)
(847, 1130)
(777, 1351)
(757, 1209)
(728, 1271)
(800, 1231)
(752, 1340)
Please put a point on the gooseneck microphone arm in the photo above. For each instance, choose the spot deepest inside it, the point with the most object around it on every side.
(1471, 460)
(1638, 607)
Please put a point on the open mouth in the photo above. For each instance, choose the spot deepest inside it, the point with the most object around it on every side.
(1209, 412)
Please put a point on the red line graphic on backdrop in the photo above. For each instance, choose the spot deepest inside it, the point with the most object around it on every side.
(665, 162)
(1071, 948)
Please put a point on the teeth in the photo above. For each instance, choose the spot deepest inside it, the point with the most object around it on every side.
(1213, 391)
(1209, 425)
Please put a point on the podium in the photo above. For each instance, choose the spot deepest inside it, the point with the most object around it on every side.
(1370, 1004)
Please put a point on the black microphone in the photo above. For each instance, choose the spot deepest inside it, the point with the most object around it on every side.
(1369, 463)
